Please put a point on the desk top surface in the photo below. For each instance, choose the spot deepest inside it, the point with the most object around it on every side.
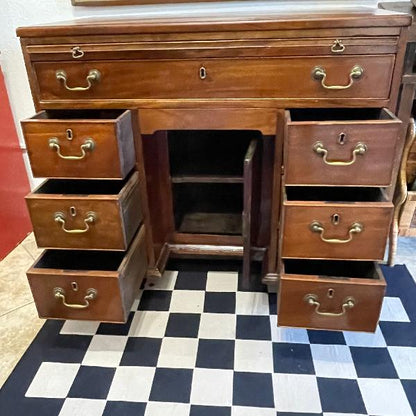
(240, 20)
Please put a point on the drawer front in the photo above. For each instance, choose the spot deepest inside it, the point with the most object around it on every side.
(327, 302)
(80, 148)
(105, 222)
(180, 49)
(96, 295)
(326, 153)
(217, 78)
(361, 232)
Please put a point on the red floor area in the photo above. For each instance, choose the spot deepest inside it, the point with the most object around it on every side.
(14, 185)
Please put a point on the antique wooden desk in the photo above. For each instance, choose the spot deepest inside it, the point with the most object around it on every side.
(271, 138)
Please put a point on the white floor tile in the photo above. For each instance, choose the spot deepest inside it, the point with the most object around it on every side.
(166, 282)
(187, 301)
(53, 380)
(291, 335)
(363, 339)
(149, 324)
(296, 393)
(132, 384)
(222, 281)
(393, 310)
(105, 351)
(178, 352)
(333, 361)
(212, 387)
(253, 356)
(384, 397)
(79, 328)
(252, 303)
(252, 411)
(217, 326)
(165, 409)
(404, 360)
(82, 407)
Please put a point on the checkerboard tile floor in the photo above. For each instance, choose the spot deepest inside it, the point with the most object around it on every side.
(196, 344)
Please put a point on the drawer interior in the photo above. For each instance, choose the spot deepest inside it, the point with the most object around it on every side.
(335, 194)
(331, 268)
(80, 187)
(340, 114)
(80, 260)
(77, 115)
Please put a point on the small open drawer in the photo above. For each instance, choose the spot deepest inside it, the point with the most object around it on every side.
(97, 286)
(85, 214)
(340, 146)
(96, 144)
(335, 223)
(325, 294)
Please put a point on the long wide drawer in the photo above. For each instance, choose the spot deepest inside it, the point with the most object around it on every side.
(97, 286)
(81, 214)
(336, 295)
(340, 147)
(335, 223)
(80, 144)
(295, 77)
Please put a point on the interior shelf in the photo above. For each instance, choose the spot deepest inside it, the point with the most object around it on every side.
(207, 179)
(208, 208)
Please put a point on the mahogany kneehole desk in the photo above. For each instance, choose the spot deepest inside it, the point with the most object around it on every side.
(271, 138)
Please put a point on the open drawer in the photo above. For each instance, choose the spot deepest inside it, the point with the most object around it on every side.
(96, 144)
(335, 223)
(340, 146)
(85, 214)
(98, 286)
(325, 294)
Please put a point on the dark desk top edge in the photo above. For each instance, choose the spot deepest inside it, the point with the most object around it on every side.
(247, 20)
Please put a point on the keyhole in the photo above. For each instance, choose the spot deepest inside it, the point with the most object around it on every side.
(335, 219)
(72, 211)
(330, 293)
(74, 286)
(69, 134)
(202, 72)
(342, 138)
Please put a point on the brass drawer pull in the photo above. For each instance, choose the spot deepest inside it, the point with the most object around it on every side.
(88, 145)
(337, 46)
(359, 149)
(77, 52)
(312, 300)
(317, 227)
(91, 294)
(93, 76)
(319, 73)
(60, 217)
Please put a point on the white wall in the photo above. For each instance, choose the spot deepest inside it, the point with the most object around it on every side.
(14, 13)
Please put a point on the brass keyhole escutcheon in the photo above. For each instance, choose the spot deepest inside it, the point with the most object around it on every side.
(342, 138)
(330, 293)
(72, 211)
(69, 134)
(335, 219)
(74, 286)
(202, 72)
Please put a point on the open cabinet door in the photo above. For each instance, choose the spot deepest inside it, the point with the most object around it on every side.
(252, 186)
(14, 185)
